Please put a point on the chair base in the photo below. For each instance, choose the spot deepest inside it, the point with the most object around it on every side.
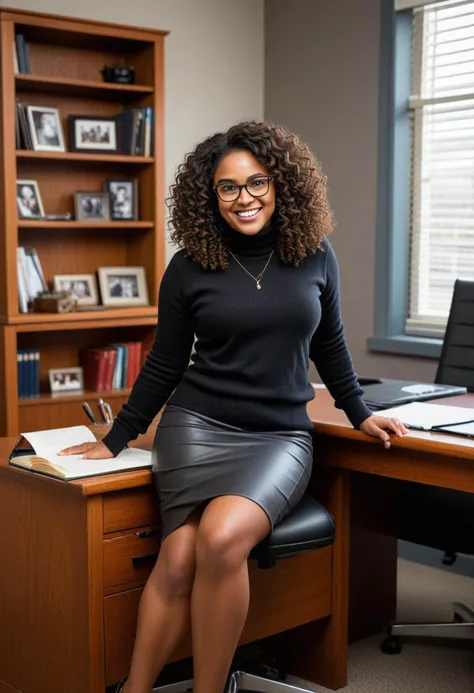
(241, 681)
(461, 628)
(180, 687)
(238, 681)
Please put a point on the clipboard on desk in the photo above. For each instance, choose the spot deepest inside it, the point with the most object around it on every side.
(463, 428)
(423, 416)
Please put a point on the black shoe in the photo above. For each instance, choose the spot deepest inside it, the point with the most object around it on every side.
(120, 685)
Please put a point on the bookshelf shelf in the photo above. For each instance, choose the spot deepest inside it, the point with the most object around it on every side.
(66, 56)
(84, 395)
(79, 156)
(80, 87)
(89, 225)
(112, 317)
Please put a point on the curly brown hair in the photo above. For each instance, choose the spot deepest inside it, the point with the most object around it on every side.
(302, 214)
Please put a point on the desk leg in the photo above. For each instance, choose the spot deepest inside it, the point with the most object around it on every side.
(318, 651)
(373, 556)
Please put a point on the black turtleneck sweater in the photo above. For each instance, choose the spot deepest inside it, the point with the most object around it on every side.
(252, 349)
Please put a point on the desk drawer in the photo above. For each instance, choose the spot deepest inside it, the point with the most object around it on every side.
(128, 509)
(130, 558)
(120, 623)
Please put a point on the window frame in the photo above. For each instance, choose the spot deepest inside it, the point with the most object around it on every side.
(393, 199)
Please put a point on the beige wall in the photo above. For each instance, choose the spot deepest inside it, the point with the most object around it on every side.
(321, 80)
(214, 60)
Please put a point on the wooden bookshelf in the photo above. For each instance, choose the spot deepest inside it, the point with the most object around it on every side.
(53, 399)
(85, 225)
(80, 156)
(66, 59)
(81, 87)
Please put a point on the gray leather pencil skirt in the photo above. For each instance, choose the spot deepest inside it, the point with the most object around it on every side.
(196, 459)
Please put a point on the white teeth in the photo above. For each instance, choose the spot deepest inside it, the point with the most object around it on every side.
(250, 213)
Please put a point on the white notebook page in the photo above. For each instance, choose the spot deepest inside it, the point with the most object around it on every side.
(48, 443)
(425, 415)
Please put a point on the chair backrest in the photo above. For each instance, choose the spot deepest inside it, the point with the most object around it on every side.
(456, 363)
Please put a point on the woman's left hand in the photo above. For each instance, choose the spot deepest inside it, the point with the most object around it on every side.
(377, 426)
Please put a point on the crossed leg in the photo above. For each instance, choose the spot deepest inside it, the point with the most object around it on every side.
(201, 576)
(229, 529)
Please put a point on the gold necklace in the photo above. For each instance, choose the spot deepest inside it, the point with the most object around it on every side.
(258, 278)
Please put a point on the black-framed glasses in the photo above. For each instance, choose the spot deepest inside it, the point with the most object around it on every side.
(229, 192)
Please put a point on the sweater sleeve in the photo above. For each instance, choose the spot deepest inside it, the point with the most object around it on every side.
(165, 364)
(329, 350)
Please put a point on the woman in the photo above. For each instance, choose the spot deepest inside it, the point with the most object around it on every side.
(256, 282)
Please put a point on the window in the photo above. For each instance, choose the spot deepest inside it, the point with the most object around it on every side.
(441, 108)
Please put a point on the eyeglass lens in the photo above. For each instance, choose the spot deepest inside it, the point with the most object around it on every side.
(231, 191)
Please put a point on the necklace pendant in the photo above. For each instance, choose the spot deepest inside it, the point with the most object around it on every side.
(258, 285)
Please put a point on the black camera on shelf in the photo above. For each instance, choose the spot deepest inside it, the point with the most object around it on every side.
(121, 74)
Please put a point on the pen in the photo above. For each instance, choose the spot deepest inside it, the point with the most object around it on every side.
(88, 410)
(108, 409)
(102, 409)
(416, 428)
(456, 423)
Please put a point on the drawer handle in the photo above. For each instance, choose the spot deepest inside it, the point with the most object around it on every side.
(146, 533)
(140, 560)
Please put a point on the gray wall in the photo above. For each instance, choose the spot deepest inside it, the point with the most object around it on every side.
(321, 81)
(214, 60)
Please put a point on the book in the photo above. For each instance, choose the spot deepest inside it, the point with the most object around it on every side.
(37, 452)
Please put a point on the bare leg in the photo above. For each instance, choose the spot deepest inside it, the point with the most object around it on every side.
(164, 613)
(230, 527)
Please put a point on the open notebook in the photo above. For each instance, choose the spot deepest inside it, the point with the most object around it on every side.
(37, 452)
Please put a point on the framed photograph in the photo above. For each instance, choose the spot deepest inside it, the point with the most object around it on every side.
(123, 286)
(83, 287)
(28, 200)
(45, 128)
(93, 134)
(122, 199)
(66, 379)
(91, 206)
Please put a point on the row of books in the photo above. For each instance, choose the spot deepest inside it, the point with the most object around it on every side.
(21, 57)
(111, 367)
(28, 372)
(30, 275)
(135, 131)
(23, 138)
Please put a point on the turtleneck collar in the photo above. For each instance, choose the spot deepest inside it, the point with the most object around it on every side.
(261, 243)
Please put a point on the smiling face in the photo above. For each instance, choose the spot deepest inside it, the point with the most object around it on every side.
(247, 214)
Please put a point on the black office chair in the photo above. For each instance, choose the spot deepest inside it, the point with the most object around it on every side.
(309, 526)
(456, 363)
(436, 517)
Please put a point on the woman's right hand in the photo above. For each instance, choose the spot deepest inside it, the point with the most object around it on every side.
(89, 451)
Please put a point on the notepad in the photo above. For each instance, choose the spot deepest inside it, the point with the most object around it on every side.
(37, 452)
(427, 417)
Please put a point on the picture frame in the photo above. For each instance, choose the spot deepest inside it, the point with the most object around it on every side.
(91, 206)
(83, 287)
(28, 200)
(123, 286)
(93, 134)
(123, 198)
(66, 379)
(45, 129)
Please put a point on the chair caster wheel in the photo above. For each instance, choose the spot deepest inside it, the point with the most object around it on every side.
(391, 645)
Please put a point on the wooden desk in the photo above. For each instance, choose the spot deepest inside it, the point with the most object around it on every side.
(366, 470)
(74, 558)
(69, 588)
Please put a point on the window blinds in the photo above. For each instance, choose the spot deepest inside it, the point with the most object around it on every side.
(442, 176)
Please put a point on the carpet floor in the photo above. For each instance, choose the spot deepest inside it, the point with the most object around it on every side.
(424, 594)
